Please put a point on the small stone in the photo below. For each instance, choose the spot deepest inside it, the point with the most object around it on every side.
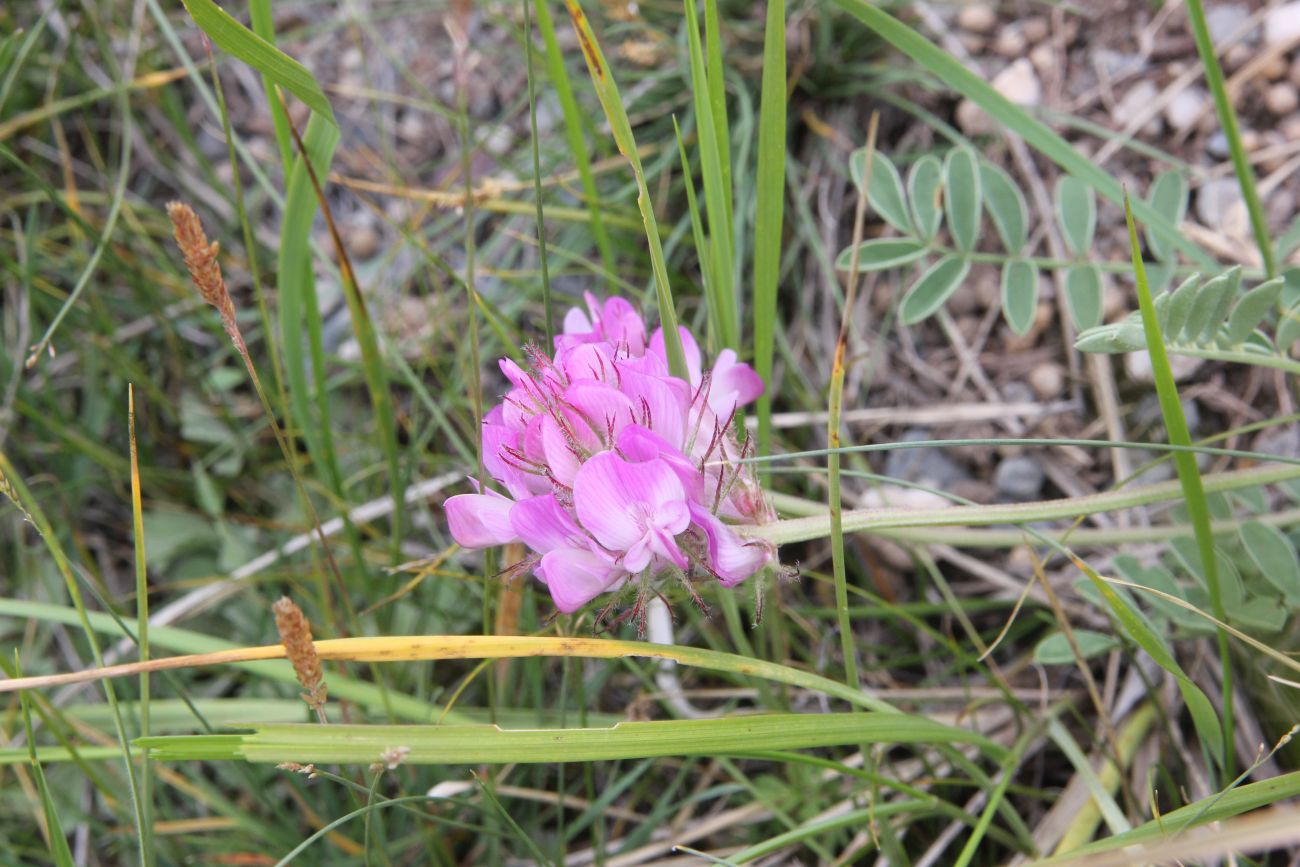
(1293, 74)
(972, 119)
(977, 18)
(1011, 43)
(1250, 140)
(1214, 198)
(1281, 441)
(361, 242)
(1217, 146)
(1016, 391)
(1138, 366)
(1185, 108)
(1139, 97)
(1282, 24)
(1047, 380)
(1019, 478)
(1290, 128)
(928, 466)
(1238, 56)
(1044, 58)
(1281, 98)
(1118, 64)
(1225, 19)
(1019, 83)
(1035, 28)
(1274, 68)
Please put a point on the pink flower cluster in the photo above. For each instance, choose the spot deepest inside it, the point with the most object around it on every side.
(616, 471)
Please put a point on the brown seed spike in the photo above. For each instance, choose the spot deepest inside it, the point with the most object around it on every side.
(295, 635)
(201, 260)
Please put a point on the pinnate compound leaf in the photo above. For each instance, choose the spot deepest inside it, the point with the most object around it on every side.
(962, 197)
(238, 41)
(1169, 198)
(933, 288)
(885, 194)
(881, 253)
(1114, 338)
(1006, 205)
(1084, 296)
(1076, 212)
(1019, 294)
(1275, 557)
(925, 192)
(1055, 649)
(1251, 309)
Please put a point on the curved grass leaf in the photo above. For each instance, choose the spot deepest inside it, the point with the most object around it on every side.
(1251, 309)
(1076, 212)
(933, 288)
(1019, 294)
(925, 194)
(962, 197)
(880, 253)
(886, 191)
(488, 744)
(1084, 295)
(1173, 316)
(238, 41)
(1168, 197)
(1275, 556)
(769, 209)
(1006, 206)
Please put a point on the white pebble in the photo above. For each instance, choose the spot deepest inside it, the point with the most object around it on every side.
(1282, 24)
(977, 18)
(1185, 108)
(1281, 99)
(1019, 83)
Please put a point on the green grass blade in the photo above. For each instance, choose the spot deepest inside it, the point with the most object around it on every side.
(1232, 131)
(142, 617)
(697, 226)
(612, 104)
(723, 318)
(60, 852)
(259, 15)
(736, 736)
(718, 107)
(1189, 476)
(559, 77)
(537, 174)
(769, 210)
(1014, 118)
(238, 41)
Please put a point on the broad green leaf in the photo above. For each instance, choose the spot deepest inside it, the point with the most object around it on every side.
(1157, 578)
(1210, 307)
(933, 288)
(880, 253)
(1019, 294)
(1251, 309)
(1006, 205)
(1169, 199)
(1186, 550)
(1158, 276)
(1175, 313)
(1288, 328)
(1076, 212)
(925, 192)
(1260, 614)
(1275, 557)
(962, 197)
(1055, 649)
(238, 41)
(1116, 337)
(1084, 296)
(885, 194)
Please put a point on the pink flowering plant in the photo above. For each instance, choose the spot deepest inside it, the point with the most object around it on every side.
(615, 472)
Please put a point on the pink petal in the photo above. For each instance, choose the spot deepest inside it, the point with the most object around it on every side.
(638, 443)
(690, 349)
(732, 384)
(659, 403)
(731, 558)
(480, 520)
(589, 361)
(560, 456)
(603, 408)
(636, 508)
(575, 577)
(576, 321)
(543, 525)
(622, 325)
(498, 441)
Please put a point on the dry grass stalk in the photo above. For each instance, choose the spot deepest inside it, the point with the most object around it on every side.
(205, 270)
(295, 635)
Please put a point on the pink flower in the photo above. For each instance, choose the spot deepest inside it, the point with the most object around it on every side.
(618, 472)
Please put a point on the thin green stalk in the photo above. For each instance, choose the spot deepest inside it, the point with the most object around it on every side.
(996, 796)
(769, 210)
(142, 616)
(834, 412)
(537, 173)
(1189, 476)
(559, 77)
(1232, 131)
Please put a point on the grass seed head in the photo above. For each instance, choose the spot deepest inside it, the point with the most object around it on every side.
(295, 635)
